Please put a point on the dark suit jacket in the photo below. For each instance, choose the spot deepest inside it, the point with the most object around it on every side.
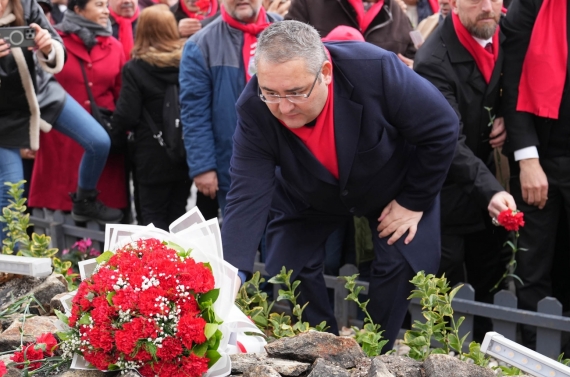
(395, 138)
(526, 129)
(389, 30)
(470, 184)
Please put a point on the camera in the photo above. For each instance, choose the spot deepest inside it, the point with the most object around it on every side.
(18, 36)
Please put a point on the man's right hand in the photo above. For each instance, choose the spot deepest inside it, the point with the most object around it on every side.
(534, 184)
(188, 26)
(207, 183)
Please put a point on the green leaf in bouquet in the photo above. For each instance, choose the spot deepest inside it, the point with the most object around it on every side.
(213, 357)
(179, 249)
(90, 296)
(209, 315)
(207, 299)
(85, 319)
(210, 329)
(200, 349)
(208, 266)
(110, 296)
(62, 317)
(62, 335)
(151, 348)
(214, 341)
(113, 367)
(104, 257)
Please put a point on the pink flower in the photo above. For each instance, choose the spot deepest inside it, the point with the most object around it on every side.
(3, 369)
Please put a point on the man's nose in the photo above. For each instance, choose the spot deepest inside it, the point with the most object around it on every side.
(486, 6)
(285, 106)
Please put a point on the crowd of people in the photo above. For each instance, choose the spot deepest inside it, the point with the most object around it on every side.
(305, 148)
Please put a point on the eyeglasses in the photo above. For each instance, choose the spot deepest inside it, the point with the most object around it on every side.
(293, 98)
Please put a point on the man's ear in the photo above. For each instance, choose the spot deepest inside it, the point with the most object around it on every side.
(326, 71)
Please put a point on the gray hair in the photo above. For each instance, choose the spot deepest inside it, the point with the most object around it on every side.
(289, 40)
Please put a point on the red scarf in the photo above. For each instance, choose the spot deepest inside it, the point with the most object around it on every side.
(204, 6)
(250, 32)
(485, 60)
(365, 18)
(434, 5)
(320, 138)
(546, 62)
(126, 31)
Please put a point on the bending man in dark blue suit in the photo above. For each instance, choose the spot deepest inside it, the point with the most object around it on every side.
(306, 155)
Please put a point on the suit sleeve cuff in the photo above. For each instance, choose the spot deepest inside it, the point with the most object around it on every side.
(243, 277)
(526, 153)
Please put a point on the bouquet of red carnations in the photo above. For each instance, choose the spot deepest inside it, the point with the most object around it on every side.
(148, 306)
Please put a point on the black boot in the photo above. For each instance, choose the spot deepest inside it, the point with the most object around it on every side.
(86, 207)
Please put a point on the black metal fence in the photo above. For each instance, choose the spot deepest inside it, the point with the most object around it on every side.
(503, 312)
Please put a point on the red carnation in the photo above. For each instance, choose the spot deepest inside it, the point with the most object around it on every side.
(194, 366)
(29, 353)
(166, 369)
(126, 298)
(103, 313)
(100, 360)
(198, 277)
(188, 305)
(171, 347)
(3, 369)
(102, 337)
(147, 303)
(511, 220)
(49, 340)
(80, 297)
(191, 330)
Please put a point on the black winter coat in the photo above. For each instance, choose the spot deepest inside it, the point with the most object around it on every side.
(470, 183)
(144, 86)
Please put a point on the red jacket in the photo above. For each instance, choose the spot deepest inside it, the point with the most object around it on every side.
(57, 161)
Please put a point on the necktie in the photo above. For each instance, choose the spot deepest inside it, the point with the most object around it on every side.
(489, 47)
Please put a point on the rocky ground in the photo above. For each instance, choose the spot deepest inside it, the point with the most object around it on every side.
(312, 354)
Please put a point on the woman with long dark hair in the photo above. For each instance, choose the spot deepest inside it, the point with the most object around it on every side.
(163, 185)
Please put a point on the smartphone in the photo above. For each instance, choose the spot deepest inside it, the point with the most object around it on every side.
(18, 36)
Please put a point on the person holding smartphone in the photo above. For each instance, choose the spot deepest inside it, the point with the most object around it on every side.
(26, 107)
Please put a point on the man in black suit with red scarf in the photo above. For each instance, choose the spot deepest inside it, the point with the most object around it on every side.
(537, 117)
(463, 59)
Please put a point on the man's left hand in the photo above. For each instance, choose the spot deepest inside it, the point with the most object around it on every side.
(396, 220)
(42, 39)
(498, 133)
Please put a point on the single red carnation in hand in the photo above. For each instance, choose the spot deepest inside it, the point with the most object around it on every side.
(49, 340)
(191, 330)
(511, 220)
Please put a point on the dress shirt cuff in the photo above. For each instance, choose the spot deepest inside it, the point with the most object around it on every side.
(242, 276)
(526, 153)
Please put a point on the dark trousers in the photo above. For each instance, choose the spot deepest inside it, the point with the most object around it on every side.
(538, 236)
(162, 204)
(296, 239)
(479, 259)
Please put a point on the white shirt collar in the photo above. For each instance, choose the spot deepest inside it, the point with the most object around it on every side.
(483, 42)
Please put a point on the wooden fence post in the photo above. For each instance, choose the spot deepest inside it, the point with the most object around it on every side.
(547, 340)
(508, 329)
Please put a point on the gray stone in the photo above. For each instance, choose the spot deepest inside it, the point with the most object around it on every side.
(449, 366)
(362, 367)
(261, 371)
(51, 287)
(33, 327)
(323, 368)
(55, 303)
(379, 369)
(402, 366)
(309, 346)
(244, 361)
(16, 287)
